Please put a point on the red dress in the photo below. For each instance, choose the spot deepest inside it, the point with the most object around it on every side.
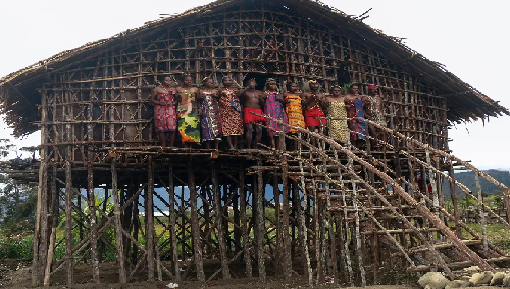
(165, 118)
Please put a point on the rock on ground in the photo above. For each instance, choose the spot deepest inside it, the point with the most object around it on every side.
(433, 280)
(481, 278)
(506, 280)
(498, 278)
(458, 284)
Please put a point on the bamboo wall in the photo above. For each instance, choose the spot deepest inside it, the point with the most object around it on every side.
(104, 97)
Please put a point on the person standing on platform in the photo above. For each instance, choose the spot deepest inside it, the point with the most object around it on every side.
(294, 109)
(164, 99)
(274, 107)
(230, 113)
(314, 103)
(337, 127)
(188, 122)
(210, 113)
(374, 111)
(354, 107)
(253, 101)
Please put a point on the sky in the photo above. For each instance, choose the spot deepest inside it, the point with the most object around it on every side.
(467, 36)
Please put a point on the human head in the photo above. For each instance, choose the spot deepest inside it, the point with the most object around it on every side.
(354, 89)
(227, 81)
(373, 89)
(252, 83)
(188, 80)
(167, 81)
(271, 84)
(208, 82)
(292, 87)
(314, 85)
(336, 91)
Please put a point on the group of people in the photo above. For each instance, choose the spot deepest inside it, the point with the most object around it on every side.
(206, 114)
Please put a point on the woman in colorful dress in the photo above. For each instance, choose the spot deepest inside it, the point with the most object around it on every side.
(164, 100)
(210, 114)
(231, 116)
(274, 107)
(374, 111)
(188, 122)
(354, 107)
(337, 126)
(294, 109)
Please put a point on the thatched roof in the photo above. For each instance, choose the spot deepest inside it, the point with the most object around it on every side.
(19, 96)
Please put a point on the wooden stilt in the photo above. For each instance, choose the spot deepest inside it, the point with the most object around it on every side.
(118, 226)
(93, 226)
(54, 222)
(483, 223)
(277, 212)
(195, 225)
(172, 222)
(287, 265)
(260, 224)
(219, 225)
(244, 224)
(68, 222)
(149, 214)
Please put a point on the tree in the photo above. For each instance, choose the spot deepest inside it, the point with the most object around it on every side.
(18, 201)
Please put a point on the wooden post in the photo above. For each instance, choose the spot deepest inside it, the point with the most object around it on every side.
(149, 214)
(260, 223)
(68, 220)
(219, 225)
(93, 226)
(171, 222)
(277, 255)
(287, 261)
(195, 225)
(483, 223)
(453, 194)
(244, 224)
(118, 226)
(54, 222)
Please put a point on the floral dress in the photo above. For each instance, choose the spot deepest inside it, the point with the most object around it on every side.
(165, 118)
(338, 127)
(357, 127)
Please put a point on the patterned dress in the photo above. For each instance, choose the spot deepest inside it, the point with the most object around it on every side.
(210, 118)
(357, 127)
(295, 112)
(188, 122)
(377, 116)
(338, 128)
(165, 116)
(230, 113)
(275, 109)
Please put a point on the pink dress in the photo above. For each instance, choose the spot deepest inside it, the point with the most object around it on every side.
(164, 116)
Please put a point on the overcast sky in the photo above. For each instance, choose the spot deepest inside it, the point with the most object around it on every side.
(465, 35)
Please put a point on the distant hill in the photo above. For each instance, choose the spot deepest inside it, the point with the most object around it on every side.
(468, 179)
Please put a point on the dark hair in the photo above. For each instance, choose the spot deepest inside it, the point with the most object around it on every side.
(289, 85)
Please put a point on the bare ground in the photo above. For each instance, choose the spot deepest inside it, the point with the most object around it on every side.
(16, 274)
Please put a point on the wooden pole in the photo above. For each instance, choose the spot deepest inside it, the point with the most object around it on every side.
(68, 220)
(93, 226)
(118, 226)
(172, 222)
(277, 255)
(54, 223)
(303, 229)
(149, 214)
(287, 265)
(483, 223)
(260, 223)
(219, 225)
(195, 225)
(244, 224)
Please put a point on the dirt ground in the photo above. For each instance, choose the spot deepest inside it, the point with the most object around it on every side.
(16, 274)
